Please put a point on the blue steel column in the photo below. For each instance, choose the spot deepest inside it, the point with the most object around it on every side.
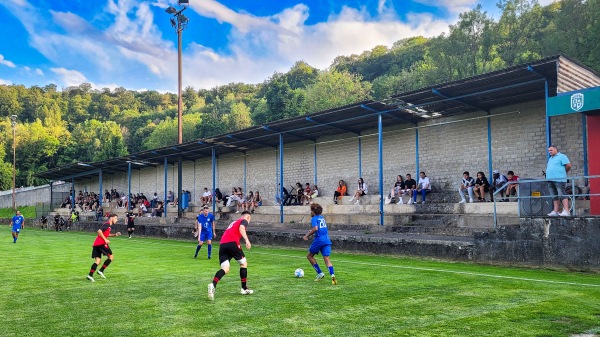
(548, 121)
(315, 182)
(380, 148)
(73, 195)
(179, 187)
(359, 156)
(585, 144)
(165, 203)
(214, 180)
(281, 176)
(129, 186)
(417, 151)
(101, 195)
(490, 162)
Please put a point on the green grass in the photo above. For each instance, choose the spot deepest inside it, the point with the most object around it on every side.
(155, 288)
(28, 212)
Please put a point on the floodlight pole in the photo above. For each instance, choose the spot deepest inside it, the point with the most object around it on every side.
(13, 122)
(179, 77)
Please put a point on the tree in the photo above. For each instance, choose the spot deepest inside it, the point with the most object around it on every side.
(94, 140)
(334, 89)
(165, 133)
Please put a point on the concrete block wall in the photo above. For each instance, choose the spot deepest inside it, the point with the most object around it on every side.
(447, 147)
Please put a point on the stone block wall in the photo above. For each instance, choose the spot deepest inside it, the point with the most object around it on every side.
(447, 147)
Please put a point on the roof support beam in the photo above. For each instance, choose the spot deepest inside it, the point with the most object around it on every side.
(248, 141)
(387, 113)
(310, 119)
(437, 92)
(293, 134)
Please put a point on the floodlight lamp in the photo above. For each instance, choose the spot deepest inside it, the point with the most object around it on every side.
(184, 2)
(182, 19)
(173, 23)
(171, 10)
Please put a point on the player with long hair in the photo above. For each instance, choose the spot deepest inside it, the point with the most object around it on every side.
(321, 243)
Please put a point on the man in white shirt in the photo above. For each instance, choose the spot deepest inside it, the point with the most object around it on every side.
(423, 187)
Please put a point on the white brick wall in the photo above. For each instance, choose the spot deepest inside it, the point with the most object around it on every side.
(447, 147)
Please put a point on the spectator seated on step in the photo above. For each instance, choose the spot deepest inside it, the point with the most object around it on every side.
(498, 181)
(305, 197)
(282, 198)
(257, 201)
(468, 184)
(158, 210)
(340, 191)
(99, 213)
(313, 194)
(423, 187)
(362, 189)
(513, 184)
(482, 185)
(206, 197)
(396, 191)
(410, 185)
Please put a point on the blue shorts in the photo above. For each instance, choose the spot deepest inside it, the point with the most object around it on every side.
(16, 229)
(205, 236)
(324, 248)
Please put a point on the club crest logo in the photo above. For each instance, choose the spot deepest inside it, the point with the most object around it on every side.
(577, 101)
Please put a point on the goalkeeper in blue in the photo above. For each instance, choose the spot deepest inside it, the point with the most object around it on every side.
(321, 243)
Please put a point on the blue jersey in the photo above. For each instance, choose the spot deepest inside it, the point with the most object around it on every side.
(206, 222)
(17, 221)
(321, 235)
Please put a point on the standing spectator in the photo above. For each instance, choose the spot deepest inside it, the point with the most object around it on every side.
(100, 247)
(130, 222)
(512, 187)
(17, 223)
(340, 191)
(498, 180)
(467, 183)
(423, 187)
(99, 213)
(361, 190)
(206, 197)
(482, 185)
(230, 248)
(410, 185)
(321, 243)
(556, 174)
(205, 229)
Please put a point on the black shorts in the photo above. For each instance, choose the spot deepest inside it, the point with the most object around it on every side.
(230, 250)
(98, 251)
(130, 225)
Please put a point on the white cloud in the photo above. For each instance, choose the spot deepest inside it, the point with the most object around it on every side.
(39, 71)
(6, 62)
(4, 82)
(69, 77)
(452, 6)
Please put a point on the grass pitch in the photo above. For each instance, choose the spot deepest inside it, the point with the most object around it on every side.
(155, 288)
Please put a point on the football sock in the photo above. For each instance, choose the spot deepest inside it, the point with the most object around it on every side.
(197, 249)
(243, 276)
(105, 265)
(209, 250)
(317, 268)
(14, 239)
(330, 270)
(93, 269)
(218, 277)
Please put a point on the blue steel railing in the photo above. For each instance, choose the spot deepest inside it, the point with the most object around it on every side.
(572, 196)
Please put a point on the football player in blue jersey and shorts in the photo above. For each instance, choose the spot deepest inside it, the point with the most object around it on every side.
(321, 243)
(206, 226)
(17, 224)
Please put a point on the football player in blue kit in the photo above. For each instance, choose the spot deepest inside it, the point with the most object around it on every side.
(205, 225)
(321, 243)
(17, 224)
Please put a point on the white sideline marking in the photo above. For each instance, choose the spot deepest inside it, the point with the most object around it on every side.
(450, 271)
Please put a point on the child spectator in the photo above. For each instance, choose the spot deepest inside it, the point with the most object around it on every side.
(482, 186)
(511, 188)
(467, 183)
(498, 181)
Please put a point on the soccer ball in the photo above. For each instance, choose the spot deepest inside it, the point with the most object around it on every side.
(299, 272)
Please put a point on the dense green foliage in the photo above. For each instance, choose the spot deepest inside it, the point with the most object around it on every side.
(155, 288)
(82, 124)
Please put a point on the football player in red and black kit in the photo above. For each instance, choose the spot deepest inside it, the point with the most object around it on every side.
(101, 247)
(229, 248)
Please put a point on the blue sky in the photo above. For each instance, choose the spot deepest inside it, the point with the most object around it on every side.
(130, 43)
